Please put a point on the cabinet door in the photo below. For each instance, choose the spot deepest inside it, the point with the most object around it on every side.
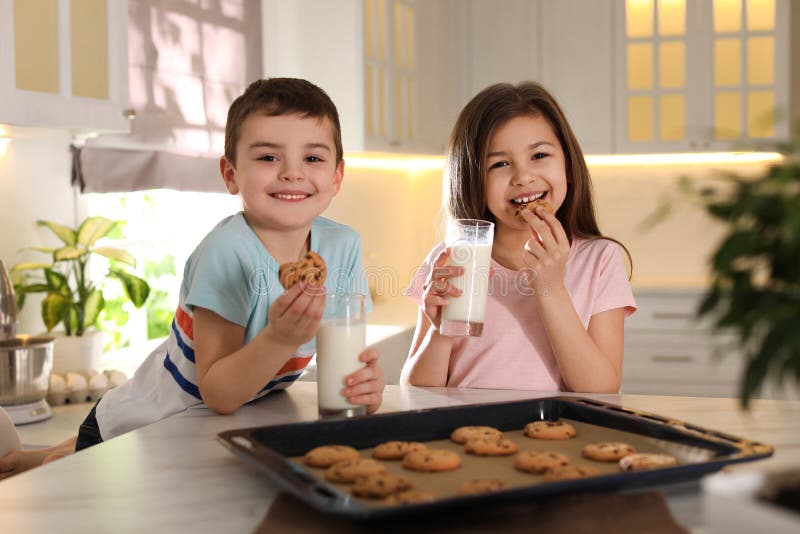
(745, 84)
(410, 74)
(65, 64)
(701, 74)
(501, 43)
(657, 53)
(577, 59)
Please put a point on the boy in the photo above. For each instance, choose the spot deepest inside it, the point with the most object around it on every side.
(237, 335)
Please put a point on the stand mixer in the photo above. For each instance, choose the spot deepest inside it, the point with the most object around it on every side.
(25, 363)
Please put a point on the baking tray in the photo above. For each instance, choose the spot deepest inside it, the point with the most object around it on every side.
(278, 450)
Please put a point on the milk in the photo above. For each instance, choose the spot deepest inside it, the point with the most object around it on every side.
(338, 345)
(470, 306)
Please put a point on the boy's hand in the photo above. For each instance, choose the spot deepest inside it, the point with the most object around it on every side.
(365, 386)
(295, 316)
(438, 287)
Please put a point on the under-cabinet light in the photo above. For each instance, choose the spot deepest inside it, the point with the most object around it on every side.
(418, 163)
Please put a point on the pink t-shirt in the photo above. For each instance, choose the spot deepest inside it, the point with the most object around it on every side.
(514, 351)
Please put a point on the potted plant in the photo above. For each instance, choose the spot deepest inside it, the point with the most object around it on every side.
(755, 269)
(72, 298)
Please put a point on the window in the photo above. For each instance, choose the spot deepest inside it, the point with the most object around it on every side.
(161, 229)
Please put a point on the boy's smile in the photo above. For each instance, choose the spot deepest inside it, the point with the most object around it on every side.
(285, 171)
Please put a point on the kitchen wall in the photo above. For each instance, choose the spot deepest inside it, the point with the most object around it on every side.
(397, 213)
(34, 184)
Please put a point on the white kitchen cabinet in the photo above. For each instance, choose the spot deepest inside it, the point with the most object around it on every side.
(64, 64)
(700, 74)
(669, 352)
(500, 43)
(564, 44)
(577, 58)
(388, 65)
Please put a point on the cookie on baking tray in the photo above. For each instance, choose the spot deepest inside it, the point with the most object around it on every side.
(396, 450)
(410, 497)
(540, 461)
(490, 447)
(465, 433)
(607, 451)
(311, 270)
(379, 485)
(348, 471)
(432, 460)
(327, 455)
(480, 485)
(642, 461)
(570, 472)
(550, 430)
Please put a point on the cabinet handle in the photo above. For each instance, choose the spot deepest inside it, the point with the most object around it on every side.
(672, 358)
(673, 315)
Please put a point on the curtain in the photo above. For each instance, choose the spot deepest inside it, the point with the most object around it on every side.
(188, 60)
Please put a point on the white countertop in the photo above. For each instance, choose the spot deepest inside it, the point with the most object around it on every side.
(174, 475)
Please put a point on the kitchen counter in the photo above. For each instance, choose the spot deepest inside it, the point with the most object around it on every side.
(174, 476)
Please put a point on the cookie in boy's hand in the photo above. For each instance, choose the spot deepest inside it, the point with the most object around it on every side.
(531, 206)
(311, 270)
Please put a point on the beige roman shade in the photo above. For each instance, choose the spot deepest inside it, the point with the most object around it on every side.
(187, 62)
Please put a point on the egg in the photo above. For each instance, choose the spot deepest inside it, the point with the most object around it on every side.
(76, 382)
(57, 383)
(115, 378)
(99, 381)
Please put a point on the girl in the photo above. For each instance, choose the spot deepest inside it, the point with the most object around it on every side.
(559, 292)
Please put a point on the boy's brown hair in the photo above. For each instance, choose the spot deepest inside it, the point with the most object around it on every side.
(281, 96)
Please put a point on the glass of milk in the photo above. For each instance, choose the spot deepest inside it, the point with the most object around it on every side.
(340, 339)
(470, 242)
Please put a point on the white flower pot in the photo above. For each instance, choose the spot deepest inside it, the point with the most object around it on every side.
(76, 353)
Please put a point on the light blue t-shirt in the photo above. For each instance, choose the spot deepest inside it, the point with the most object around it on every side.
(232, 274)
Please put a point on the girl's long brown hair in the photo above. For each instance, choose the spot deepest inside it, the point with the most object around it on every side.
(466, 156)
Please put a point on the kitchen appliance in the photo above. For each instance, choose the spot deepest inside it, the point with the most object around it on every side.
(278, 450)
(25, 363)
(25, 366)
(8, 306)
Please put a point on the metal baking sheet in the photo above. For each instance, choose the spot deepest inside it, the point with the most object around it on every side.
(278, 450)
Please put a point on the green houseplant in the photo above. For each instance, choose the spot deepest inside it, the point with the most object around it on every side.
(73, 299)
(755, 268)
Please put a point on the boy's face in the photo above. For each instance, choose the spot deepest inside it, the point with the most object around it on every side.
(285, 172)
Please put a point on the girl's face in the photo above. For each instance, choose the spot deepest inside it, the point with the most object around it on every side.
(524, 162)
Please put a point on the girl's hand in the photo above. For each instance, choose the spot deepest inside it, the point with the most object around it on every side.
(438, 287)
(365, 386)
(546, 252)
(295, 316)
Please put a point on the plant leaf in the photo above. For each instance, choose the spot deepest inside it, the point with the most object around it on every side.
(32, 288)
(54, 307)
(65, 234)
(136, 288)
(93, 229)
(116, 254)
(69, 253)
(92, 307)
(30, 266)
(46, 250)
(57, 282)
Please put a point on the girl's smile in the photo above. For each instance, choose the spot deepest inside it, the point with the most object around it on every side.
(524, 163)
